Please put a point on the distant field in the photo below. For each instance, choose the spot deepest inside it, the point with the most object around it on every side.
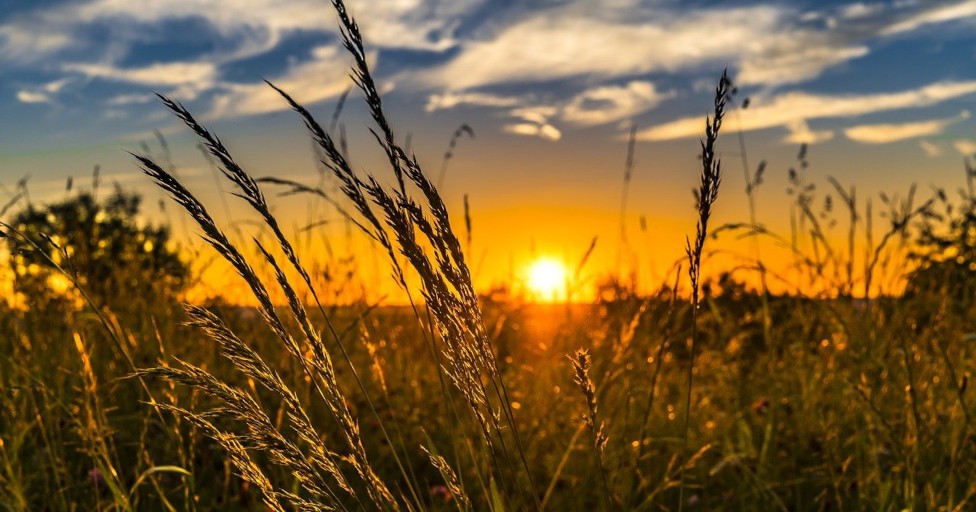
(709, 393)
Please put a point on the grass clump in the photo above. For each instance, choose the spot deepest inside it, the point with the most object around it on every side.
(734, 399)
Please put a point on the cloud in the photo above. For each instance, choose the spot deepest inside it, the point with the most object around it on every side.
(33, 97)
(571, 42)
(545, 131)
(792, 107)
(325, 76)
(860, 10)
(130, 99)
(893, 132)
(534, 121)
(794, 60)
(159, 74)
(25, 44)
(965, 147)
(930, 148)
(51, 39)
(932, 15)
(43, 94)
(415, 24)
(605, 104)
(450, 100)
(800, 133)
(611, 48)
(770, 44)
(593, 106)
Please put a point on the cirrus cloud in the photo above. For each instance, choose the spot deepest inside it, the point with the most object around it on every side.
(787, 109)
(893, 132)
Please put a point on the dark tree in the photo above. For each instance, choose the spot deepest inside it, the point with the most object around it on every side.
(946, 255)
(102, 244)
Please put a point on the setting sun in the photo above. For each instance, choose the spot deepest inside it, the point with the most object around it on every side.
(547, 279)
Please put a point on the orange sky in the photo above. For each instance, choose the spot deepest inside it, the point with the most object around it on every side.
(551, 90)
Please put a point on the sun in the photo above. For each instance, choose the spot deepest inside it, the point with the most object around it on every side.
(547, 279)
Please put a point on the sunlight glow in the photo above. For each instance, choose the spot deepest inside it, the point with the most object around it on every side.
(547, 280)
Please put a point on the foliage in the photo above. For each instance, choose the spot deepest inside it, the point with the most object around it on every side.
(946, 253)
(100, 244)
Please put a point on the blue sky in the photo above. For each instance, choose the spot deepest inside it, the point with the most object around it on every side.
(541, 68)
(881, 90)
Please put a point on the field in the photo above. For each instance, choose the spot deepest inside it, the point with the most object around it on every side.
(714, 392)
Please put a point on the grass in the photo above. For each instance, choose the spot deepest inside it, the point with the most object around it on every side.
(703, 395)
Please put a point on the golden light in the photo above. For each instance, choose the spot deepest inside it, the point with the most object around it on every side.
(547, 280)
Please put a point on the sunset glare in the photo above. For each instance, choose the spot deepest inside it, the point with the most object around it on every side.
(547, 280)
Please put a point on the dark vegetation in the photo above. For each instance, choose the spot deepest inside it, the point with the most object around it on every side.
(706, 395)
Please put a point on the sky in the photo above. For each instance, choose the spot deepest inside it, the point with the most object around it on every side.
(882, 92)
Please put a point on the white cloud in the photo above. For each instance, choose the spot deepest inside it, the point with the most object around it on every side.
(795, 59)
(789, 108)
(534, 121)
(614, 45)
(450, 100)
(860, 10)
(800, 133)
(545, 131)
(561, 44)
(44, 93)
(202, 74)
(324, 77)
(130, 99)
(57, 85)
(930, 148)
(885, 133)
(32, 97)
(965, 147)
(25, 44)
(769, 44)
(893, 132)
(538, 114)
(606, 104)
(596, 105)
(240, 29)
(417, 24)
(932, 15)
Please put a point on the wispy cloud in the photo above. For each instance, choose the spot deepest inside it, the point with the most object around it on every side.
(606, 57)
(44, 93)
(965, 147)
(606, 104)
(203, 74)
(769, 43)
(534, 122)
(325, 76)
(262, 23)
(24, 44)
(593, 106)
(790, 108)
(930, 148)
(32, 97)
(240, 29)
(450, 100)
(800, 133)
(544, 130)
(936, 12)
(892, 132)
(764, 40)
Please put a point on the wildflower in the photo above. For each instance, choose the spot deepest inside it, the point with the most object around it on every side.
(760, 405)
(441, 492)
(95, 476)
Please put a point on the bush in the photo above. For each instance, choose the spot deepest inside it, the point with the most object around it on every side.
(100, 245)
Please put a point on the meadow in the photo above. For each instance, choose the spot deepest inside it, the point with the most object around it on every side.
(712, 393)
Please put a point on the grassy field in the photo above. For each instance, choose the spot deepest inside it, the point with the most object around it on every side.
(705, 395)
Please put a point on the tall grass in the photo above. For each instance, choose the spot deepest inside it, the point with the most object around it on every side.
(466, 402)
